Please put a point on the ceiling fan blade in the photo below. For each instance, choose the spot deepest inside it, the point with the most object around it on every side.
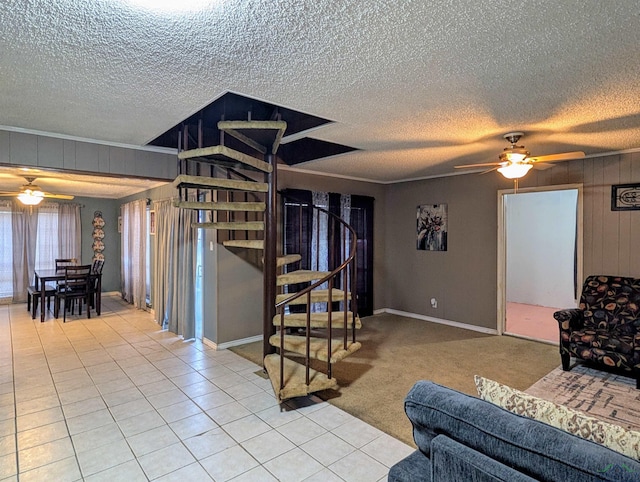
(484, 164)
(565, 156)
(14, 193)
(541, 166)
(490, 170)
(58, 196)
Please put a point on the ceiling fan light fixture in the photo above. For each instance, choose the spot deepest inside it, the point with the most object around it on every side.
(514, 171)
(31, 198)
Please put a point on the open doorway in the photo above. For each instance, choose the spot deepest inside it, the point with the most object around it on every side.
(541, 259)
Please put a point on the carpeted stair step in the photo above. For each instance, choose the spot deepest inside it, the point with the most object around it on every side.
(263, 136)
(295, 378)
(300, 276)
(244, 243)
(232, 226)
(318, 320)
(226, 157)
(317, 347)
(287, 259)
(222, 206)
(205, 182)
(317, 296)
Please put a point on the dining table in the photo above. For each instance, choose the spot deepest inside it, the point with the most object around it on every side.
(43, 276)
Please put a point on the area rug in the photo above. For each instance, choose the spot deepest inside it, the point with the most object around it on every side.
(604, 395)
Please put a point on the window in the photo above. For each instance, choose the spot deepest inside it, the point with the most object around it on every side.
(56, 229)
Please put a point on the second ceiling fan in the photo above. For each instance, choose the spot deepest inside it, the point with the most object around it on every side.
(515, 161)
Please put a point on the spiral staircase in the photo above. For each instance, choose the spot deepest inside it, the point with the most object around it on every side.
(309, 316)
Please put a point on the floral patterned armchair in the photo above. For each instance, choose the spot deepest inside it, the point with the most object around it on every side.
(605, 328)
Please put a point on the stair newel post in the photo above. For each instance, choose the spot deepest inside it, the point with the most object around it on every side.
(354, 301)
(270, 253)
(330, 326)
(345, 306)
(281, 347)
(308, 335)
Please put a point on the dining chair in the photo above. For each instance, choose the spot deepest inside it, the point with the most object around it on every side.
(62, 263)
(33, 296)
(76, 287)
(96, 272)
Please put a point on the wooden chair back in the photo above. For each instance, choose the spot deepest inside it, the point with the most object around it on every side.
(62, 263)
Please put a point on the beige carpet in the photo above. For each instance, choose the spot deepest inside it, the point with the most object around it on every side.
(397, 351)
(601, 394)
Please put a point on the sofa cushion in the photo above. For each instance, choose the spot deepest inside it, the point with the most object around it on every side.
(617, 438)
(532, 447)
(414, 468)
(605, 340)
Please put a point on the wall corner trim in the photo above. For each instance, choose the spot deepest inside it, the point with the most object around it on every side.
(456, 324)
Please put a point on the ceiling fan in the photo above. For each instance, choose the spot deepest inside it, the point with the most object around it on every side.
(515, 161)
(31, 194)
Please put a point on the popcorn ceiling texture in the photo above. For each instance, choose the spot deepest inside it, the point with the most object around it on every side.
(418, 86)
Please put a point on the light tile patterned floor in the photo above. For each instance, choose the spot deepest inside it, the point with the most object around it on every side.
(114, 398)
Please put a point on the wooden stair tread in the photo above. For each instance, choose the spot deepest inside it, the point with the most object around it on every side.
(317, 296)
(262, 136)
(300, 276)
(295, 378)
(317, 347)
(227, 157)
(318, 320)
(204, 182)
(222, 206)
(233, 226)
(287, 259)
(244, 243)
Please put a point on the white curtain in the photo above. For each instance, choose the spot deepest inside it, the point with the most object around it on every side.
(175, 269)
(24, 230)
(47, 239)
(320, 240)
(69, 231)
(133, 257)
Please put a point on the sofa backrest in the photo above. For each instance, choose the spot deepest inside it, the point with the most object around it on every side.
(533, 448)
(611, 303)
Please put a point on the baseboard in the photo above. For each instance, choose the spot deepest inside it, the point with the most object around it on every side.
(456, 324)
(516, 335)
(229, 344)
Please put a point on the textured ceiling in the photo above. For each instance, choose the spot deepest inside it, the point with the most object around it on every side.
(418, 86)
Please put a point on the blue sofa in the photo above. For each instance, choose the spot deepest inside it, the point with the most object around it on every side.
(463, 438)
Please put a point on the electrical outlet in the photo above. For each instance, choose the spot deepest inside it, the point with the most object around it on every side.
(434, 303)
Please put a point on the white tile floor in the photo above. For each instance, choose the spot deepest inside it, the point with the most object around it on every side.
(114, 398)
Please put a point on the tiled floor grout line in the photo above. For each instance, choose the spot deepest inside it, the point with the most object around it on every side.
(15, 400)
(115, 338)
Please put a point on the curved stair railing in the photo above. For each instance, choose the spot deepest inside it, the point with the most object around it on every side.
(317, 340)
(287, 335)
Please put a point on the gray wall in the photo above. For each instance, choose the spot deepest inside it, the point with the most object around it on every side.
(464, 278)
(110, 209)
(31, 150)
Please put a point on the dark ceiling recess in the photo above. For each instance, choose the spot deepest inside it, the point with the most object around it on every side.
(237, 107)
(307, 149)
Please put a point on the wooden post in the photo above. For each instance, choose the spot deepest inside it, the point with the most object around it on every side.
(270, 253)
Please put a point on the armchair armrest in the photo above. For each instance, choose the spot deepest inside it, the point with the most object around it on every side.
(570, 319)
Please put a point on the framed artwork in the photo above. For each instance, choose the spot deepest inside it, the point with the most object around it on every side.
(431, 231)
(152, 222)
(625, 197)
